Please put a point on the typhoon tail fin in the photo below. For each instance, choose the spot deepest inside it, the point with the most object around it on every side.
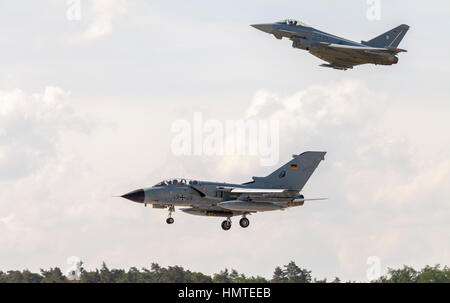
(294, 174)
(390, 38)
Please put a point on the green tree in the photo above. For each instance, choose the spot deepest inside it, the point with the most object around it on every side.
(279, 276)
(147, 276)
(256, 279)
(336, 280)
(434, 274)
(173, 274)
(133, 275)
(156, 271)
(295, 274)
(105, 274)
(177, 274)
(196, 277)
(14, 276)
(29, 277)
(222, 277)
(53, 275)
(405, 275)
(234, 276)
(119, 276)
(90, 277)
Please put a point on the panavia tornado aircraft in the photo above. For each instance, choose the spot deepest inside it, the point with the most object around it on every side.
(278, 191)
(340, 53)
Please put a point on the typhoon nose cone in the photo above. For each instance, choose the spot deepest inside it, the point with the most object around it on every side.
(136, 196)
(264, 27)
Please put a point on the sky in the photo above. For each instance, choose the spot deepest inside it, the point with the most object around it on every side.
(89, 95)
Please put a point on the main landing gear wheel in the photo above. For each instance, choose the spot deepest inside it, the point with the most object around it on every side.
(226, 225)
(170, 220)
(244, 222)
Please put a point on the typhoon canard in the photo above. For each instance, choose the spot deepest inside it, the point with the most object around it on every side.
(277, 191)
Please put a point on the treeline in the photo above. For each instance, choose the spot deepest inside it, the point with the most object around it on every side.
(289, 273)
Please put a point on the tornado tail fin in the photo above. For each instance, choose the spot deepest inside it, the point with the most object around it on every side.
(295, 173)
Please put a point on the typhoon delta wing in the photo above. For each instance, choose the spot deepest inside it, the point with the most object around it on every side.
(278, 191)
(339, 53)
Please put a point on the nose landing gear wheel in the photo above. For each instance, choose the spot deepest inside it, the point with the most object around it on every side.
(226, 225)
(170, 220)
(244, 222)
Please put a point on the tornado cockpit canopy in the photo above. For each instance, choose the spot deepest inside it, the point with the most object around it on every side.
(177, 182)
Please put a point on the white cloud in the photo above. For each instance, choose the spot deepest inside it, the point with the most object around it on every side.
(11, 225)
(103, 14)
(30, 127)
(33, 171)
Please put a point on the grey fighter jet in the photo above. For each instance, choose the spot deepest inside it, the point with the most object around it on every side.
(340, 53)
(277, 191)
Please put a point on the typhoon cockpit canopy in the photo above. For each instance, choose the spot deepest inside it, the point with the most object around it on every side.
(293, 22)
(177, 182)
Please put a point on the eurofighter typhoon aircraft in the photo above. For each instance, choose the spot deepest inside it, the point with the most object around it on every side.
(340, 53)
(278, 191)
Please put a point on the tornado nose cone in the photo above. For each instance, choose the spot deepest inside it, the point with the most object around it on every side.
(136, 196)
(268, 28)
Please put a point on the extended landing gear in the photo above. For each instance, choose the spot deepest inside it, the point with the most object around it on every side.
(170, 220)
(226, 225)
(244, 222)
